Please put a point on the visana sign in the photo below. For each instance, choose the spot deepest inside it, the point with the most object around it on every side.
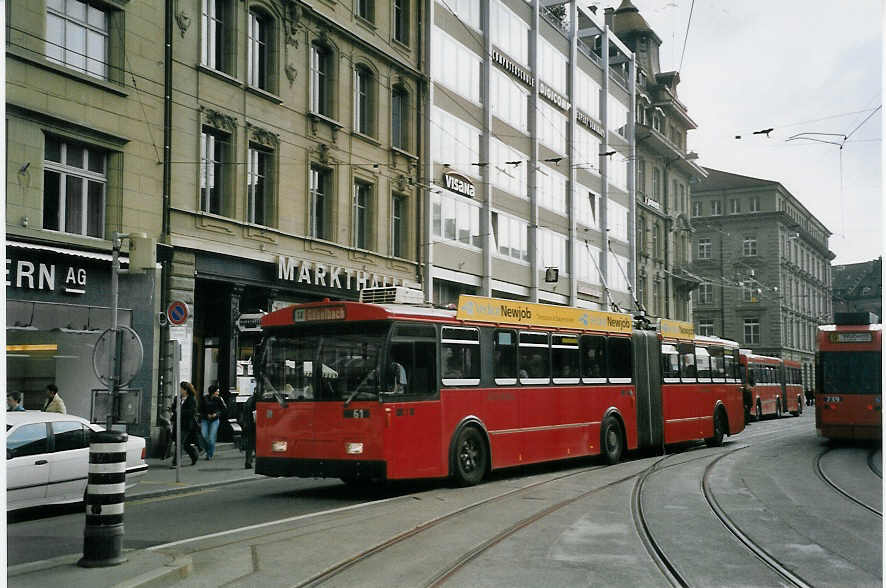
(459, 184)
(314, 273)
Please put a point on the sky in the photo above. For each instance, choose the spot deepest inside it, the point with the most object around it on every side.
(796, 66)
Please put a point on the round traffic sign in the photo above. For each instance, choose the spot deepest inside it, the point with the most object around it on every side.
(131, 353)
(177, 312)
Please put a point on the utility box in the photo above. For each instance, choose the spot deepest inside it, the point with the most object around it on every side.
(142, 253)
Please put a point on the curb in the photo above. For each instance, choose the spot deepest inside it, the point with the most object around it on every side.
(43, 564)
(190, 487)
(177, 569)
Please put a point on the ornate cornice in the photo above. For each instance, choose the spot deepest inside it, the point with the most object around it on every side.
(218, 119)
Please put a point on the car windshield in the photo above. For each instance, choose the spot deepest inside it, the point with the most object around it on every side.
(325, 362)
(851, 373)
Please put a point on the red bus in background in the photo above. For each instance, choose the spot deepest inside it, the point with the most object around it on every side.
(761, 381)
(792, 387)
(388, 390)
(848, 377)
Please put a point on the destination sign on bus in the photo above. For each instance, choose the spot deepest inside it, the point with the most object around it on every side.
(514, 312)
(851, 338)
(323, 313)
(676, 329)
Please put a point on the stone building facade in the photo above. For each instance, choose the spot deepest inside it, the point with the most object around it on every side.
(296, 150)
(858, 287)
(84, 120)
(666, 172)
(764, 266)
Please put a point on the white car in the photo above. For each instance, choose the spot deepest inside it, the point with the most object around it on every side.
(47, 458)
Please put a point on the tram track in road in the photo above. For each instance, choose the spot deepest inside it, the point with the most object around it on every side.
(347, 564)
(767, 558)
(839, 489)
(874, 464)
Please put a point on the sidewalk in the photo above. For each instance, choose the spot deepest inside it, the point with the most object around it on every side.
(143, 567)
(225, 468)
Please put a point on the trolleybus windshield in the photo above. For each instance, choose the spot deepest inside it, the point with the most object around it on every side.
(857, 372)
(323, 362)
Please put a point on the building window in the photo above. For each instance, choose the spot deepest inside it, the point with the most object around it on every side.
(704, 248)
(401, 21)
(748, 292)
(320, 217)
(734, 206)
(456, 219)
(364, 90)
(656, 298)
(749, 247)
(217, 40)
(705, 293)
(361, 214)
(366, 10)
(706, 327)
(398, 226)
(682, 198)
(259, 192)
(716, 208)
(696, 209)
(641, 291)
(260, 51)
(656, 240)
(74, 186)
(656, 184)
(321, 80)
(400, 118)
(77, 36)
(752, 331)
(641, 176)
(755, 204)
(214, 162)
(641, 235)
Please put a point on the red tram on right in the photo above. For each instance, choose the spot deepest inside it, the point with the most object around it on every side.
(848, 378)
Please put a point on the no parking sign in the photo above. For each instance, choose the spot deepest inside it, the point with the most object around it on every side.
(177, 312)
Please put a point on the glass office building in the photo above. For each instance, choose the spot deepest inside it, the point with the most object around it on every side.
(531, 144)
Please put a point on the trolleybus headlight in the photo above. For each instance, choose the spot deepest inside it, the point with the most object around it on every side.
(279, 446)
(353, 448)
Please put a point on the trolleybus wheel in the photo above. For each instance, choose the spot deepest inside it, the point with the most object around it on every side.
(611, 440)
(470, 457)
(759, 411)
(719, 430)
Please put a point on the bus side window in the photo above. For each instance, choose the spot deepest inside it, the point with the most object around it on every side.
(670, 363)
(535, 358)
(504, 353)
(564, 358)
(418, 362)
(687, 362)
(593, 359)
(460, 356)
(703, 364)
(718, 367)
(620, 365)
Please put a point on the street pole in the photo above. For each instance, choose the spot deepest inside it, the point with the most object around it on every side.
(115, 295)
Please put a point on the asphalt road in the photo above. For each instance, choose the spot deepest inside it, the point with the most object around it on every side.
(581, 528)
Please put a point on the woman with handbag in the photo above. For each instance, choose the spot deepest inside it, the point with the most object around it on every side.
(212, 409)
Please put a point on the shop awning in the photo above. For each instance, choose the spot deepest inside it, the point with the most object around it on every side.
(64, 251)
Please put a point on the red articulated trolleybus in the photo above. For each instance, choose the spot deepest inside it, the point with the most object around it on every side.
(848, 374)
(792, 387)
(761, 381)
(366, 391)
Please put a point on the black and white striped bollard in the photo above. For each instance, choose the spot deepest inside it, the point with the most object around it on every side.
(105, 494)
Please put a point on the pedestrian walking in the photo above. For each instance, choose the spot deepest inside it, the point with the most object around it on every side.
(54, 402)
(247, 424)
(810, 397)
(187, 403)
(14, 401)
(211, 410)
